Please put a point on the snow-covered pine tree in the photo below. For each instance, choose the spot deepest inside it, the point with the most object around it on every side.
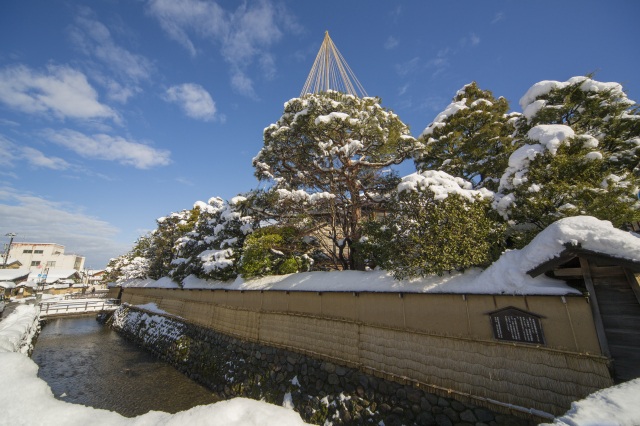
(589, 107)
(328, 158)
(471, 138)
(214, 246)
(437, 223)
(579, 155)
(131, 265)
(163, 238)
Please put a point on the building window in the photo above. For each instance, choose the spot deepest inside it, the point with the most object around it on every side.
(51, 264)
(27, 251)
(38, 252)
(35, 263)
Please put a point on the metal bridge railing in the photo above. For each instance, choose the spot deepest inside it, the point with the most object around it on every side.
(64, 307)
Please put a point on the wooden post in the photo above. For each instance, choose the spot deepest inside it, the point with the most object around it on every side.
(595, 308)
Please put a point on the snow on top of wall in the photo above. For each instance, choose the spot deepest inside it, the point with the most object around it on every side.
(508, 275)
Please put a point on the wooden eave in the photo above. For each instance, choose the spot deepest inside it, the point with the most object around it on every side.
(571, 252)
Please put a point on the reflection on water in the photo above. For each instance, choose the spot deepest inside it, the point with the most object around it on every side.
(87, 363)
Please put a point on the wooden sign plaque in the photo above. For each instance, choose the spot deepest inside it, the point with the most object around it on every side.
(515, 325)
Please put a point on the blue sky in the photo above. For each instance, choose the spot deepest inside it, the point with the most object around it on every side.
(116, 112)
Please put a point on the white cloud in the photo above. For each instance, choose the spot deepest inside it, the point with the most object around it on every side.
(11, 153)
(409, 67)
(95, 39)
(243, 84)
(244, 35)
(194, 100)
(112, 148)
(37, 219)
(61, 91)
(38, 159)
(499, 17)
(475, 40)
(391, 43)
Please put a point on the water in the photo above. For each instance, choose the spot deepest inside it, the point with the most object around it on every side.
(87, 363)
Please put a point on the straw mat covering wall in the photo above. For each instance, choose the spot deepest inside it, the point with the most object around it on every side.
(441, 341)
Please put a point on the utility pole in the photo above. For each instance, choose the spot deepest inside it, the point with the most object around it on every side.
(6, 255)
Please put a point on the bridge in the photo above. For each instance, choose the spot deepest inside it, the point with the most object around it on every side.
(63, 308)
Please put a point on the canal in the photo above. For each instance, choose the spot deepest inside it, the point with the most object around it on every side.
(85, 362)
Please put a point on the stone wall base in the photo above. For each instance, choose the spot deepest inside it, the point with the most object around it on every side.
(322, 392)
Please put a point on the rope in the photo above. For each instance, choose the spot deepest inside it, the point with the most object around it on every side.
(330, 71)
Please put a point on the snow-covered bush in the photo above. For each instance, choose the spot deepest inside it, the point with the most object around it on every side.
(437, 223)
(275, 251)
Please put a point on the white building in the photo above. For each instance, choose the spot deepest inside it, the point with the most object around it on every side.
(40, 256)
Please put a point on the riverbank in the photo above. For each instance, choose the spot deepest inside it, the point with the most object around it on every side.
(28, 400)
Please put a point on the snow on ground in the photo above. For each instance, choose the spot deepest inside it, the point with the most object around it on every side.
(28, 400)
(615, 406)
(508, 275)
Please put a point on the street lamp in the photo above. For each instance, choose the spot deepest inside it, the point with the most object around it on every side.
(6, 255)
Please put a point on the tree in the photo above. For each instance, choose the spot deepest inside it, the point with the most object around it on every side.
(579, 154)
(132, 265)
(589, 107)
(328, 158)
(437, 224)
(214, 247)
(471, 138)
(275, 250)
(170, 228)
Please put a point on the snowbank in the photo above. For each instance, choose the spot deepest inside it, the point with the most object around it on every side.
(17, 329)
(615, 406)
(29, 400)
(508, 275)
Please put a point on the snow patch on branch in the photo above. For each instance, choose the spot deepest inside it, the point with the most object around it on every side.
(214, 260)
(442, 185)
(551, 136)
(330, 117)
(301, 196)
(441, 119)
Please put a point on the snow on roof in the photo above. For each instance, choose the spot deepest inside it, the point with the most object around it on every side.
(508, 275)
(13, 274)
(53, 274)
(7, 284)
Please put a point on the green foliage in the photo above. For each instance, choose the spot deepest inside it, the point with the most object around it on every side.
(425, 234)
(471, 139)
(274, 251)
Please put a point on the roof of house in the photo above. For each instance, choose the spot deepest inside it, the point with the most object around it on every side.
(54, 275)
(13, 274)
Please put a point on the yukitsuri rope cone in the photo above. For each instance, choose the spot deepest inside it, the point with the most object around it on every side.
(330, 72)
